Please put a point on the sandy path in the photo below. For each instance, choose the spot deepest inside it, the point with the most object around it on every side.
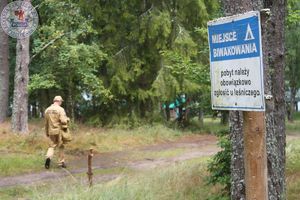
(192, 147)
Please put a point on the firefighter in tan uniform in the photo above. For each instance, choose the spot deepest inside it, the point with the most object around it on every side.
(56, 121)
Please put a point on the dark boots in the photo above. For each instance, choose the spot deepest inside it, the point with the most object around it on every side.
(47, 163)
(63, 165)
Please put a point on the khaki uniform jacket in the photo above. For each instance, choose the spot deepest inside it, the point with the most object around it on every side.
(55, 120)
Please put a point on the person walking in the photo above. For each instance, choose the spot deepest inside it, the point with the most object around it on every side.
(57, 130)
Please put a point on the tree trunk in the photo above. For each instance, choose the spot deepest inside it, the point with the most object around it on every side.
(34, 113)
(224, 117)
(4, 70)
(232, 7)
(167, 111)
(292, 105)
(275, 112)
(69, 103)
(238, 190)
(142, 109)
(273, 51)
(201, 117)
(20, 102)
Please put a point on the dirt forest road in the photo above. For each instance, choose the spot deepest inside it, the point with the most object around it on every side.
(149, 157)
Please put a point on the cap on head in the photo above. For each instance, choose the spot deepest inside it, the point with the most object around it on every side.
(58, 98)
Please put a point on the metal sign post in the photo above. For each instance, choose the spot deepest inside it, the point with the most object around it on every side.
(237, 83)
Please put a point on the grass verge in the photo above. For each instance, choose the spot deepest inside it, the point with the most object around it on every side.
(293, 128)
(14, 148)
(179, 181)
(293, 169)
(14, 164)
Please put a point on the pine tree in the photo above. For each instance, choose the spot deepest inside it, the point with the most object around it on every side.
(274, 85)
(273, 47)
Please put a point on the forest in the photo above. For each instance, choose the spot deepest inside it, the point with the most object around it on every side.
(135, 73)
(131, 60)
(127, 59)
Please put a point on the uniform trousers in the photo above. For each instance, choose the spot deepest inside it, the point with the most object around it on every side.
(56, 142)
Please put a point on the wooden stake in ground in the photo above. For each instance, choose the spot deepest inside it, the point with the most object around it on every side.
(90, 172)
(255, 156)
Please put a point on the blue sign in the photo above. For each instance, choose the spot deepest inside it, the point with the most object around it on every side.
(235, 39)
(236, 62)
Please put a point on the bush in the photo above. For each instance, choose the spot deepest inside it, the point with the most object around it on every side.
(94, 121)
(219, 166)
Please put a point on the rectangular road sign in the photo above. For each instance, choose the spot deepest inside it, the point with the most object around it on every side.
(236, 63)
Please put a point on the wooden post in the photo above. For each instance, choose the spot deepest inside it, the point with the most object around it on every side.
(225, 71)
(254, 129)
(255, 157)
(90, 172)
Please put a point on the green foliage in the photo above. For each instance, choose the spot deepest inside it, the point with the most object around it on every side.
(175, 77)
(94, 121)
(219, 167)
(292, 44)
(66, 58)
(120, 58)
(293, 17)
(40, 81)
(149, 65)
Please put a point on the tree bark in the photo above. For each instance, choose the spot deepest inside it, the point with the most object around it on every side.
(238, 190)
(273, 51)
(4, 70)
(275, 112)
(232, 7)
(20, 102)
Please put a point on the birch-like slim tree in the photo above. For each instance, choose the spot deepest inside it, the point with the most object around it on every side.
(4, 70)
(20, 102)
